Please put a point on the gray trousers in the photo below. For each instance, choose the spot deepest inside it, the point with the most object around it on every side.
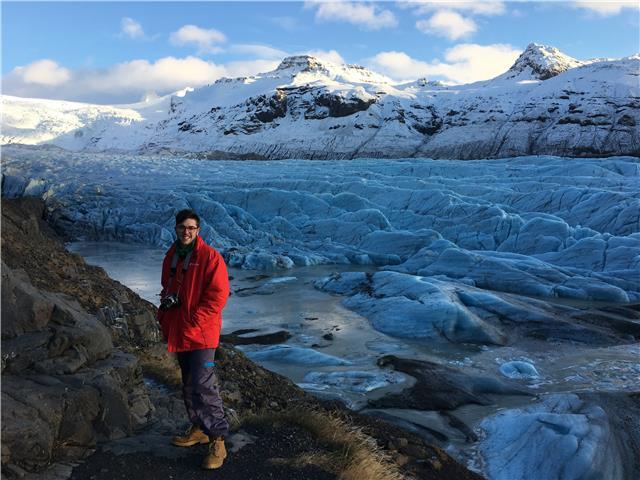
(200, 391)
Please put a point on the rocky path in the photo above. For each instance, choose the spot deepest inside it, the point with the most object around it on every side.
(258, 453)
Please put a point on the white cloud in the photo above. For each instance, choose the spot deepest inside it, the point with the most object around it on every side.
(606, 8)
(399, 66)
(121, 83)
(363, 14)
(246, 68)
(131, 81)
(327, 55)
(447, 23)
(42, 72)
(130, 28)
(166, 74)
(267, 54)
(478, 7)
(452, 19)
(204, 39)
(463, 63)
(261, 51)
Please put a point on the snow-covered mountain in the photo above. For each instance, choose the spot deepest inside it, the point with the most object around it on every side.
(541, 62)
(546, 103)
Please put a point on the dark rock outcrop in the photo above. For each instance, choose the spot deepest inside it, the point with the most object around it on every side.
(270, 108)
(64, 386)
(31, 246)
(623, 415)
(45, 332)
(339, 106)
(439, 387)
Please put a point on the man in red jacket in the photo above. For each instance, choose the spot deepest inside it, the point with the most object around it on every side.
(195, 287)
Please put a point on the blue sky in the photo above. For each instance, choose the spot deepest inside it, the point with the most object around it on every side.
(118, 52)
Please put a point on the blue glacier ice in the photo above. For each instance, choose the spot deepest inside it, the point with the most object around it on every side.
(519, 369)
(295, 355)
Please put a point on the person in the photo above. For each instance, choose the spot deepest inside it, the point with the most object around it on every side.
(195, 288)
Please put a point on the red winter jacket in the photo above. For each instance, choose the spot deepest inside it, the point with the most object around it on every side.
(197, 322)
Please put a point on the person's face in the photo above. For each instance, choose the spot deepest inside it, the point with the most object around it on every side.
(187, 231)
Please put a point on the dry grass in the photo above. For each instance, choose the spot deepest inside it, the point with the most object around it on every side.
(351, 455)
(156, 363)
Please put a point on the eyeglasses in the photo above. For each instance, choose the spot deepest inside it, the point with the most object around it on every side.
(182, 228)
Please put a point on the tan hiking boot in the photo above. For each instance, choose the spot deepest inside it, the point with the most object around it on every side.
(217, 454)
(193, 436)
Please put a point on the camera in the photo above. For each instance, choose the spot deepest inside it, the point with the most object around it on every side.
(169, 301)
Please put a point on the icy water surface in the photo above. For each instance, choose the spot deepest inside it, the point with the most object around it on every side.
(287, 300)
(295, 306)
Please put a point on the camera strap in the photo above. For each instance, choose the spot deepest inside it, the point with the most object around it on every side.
(174, 265)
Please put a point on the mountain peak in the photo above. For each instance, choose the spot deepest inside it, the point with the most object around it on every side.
(302, 63)
(349, 73)
(541, 62)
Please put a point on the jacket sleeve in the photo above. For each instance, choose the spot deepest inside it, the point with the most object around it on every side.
(164, 280)
(215, 292)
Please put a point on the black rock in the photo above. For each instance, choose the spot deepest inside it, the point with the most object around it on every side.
(439, 387)
(280, 336)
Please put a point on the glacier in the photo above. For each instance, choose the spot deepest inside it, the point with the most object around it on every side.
(464, 252)
(565, 436)
(547, 227)
(296, 355)
(353, 380)
(519, 369)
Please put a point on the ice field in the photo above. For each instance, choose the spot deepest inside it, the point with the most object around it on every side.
(552, 227)
(519, 276)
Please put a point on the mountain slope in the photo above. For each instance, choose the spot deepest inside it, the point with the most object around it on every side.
(546, 103)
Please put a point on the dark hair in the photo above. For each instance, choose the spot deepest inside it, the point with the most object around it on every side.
(182, 215)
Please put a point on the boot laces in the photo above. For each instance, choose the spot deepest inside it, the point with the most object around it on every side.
(190, 429)
(216, 446)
